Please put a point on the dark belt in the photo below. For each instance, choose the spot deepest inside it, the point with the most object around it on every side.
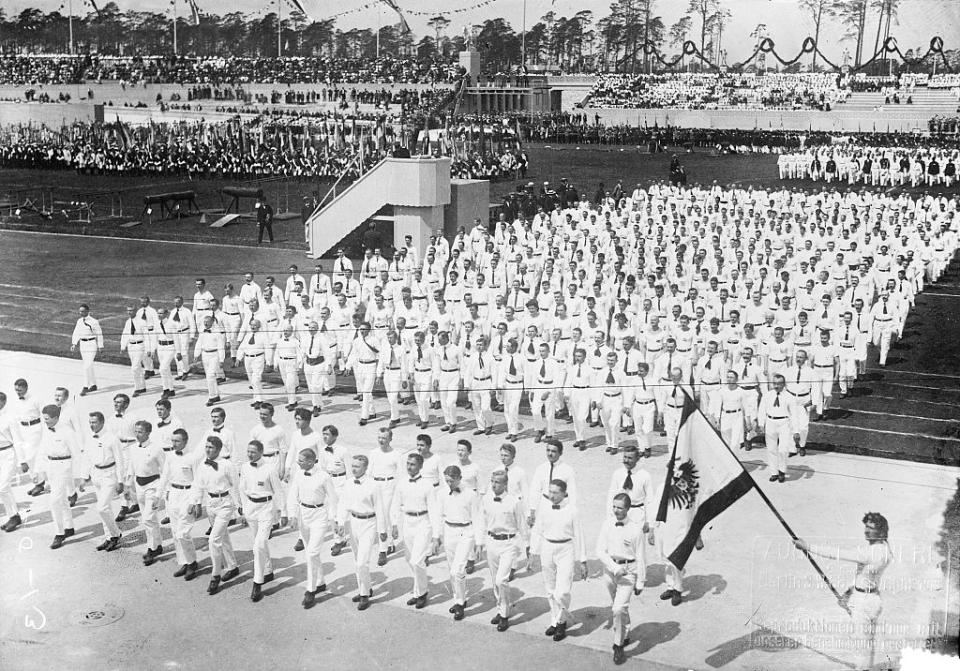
(176, 486)
(643, 402)
(622, 561)
(289, 358)
(87, 339)
(823, 365)
(637, 505)
(806, 393)
(59, 458)
(311, 505)
(210, 351)
(457, 524)
(562, 540)
(232, 314)
(501, 537)
(867, 590)
(784, 417)
(164, 342)
(272, 454)
(218, 495)
(415, 513)
(546, 382)
(32, 422)
(143, 482)
(251, 354)
(314, 360)
(576, 386)
(632, 374)
(611, 395)
(393, 367)
(102, 468)
(135, 342)
(260, 499)
(367, 362)
(383, 479)
(6, 447)
(363, 516)
(732, 411)
(338, 475)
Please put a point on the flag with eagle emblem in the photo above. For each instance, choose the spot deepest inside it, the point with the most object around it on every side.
(704, 478)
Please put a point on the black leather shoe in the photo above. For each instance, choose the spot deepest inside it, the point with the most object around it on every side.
(619, 657)
(68, 532)
(504, 624)
(337, 548)
(561, 632)
(458, 612)
(513, 573)
(268, 578)
(803, 451)
(37, 489)
(103, 545)
(357, 597)
(122, 515)
(421, 601)
(57, 542)
(150, 556)
(551, 630)
(93, 388)
(231, 574)
(774, 478)
(113, 544)
(668, 594)
(412, 601)
(135, 508)
(471, 565)
(213, 401)
(781, 477)
(363, 603)
(676, 598)
(257, 593)
(165, 520)
(214, 585)
(496, 619)
(12, 523)
(191, 571)
(180, 572)
(309, 599)
(382, 559)
(298, 546)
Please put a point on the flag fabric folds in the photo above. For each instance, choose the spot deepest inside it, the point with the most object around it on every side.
(704, 478)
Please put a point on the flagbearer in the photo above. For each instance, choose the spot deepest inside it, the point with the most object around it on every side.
(620, 550)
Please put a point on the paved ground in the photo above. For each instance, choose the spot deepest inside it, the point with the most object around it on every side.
(751, 604)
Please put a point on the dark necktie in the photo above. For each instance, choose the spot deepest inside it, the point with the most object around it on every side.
(163, 328)
(610, 378)
(454, 490)
(209, 331)
(579, 370)
(312, 336)
(847, 337)
(480, 359)
(419, 353)
(179, 453)
(251, 338)
(530, 347)
(556, 506)
(550, 478)
(799, 369)
(884, 308)
(628, 481)
(356, 482)
(497, 499)
(618, 524)
(176, 315)
(52, 430)
(513, 368)
(709, 360)
(543, 369)
(323, 326)
(307, 474)
(217, 429)
(776, 401)
(133, 330)
(416, 479)
(212, 464)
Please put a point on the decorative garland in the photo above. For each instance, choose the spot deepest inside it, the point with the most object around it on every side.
(767, 46)
(413, 12)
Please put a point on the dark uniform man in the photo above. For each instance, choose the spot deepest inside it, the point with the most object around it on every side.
(264, 219)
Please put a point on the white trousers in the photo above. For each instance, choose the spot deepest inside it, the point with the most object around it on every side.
(778, 441)
(254, 369)
(511, 407)
(60, 476)
(458, 544)
(643, 415)
(88, 353)
(146, 497)
(313, 529)
(363, 543)
(416, 549)
(137, 363)
(501, 556)
(558, 561)
(219, 513)
(620, 588)
(8, 472)
(105, 480)
(260, 519)
(181, 524)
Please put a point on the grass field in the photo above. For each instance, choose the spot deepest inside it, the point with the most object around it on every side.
(584, 166)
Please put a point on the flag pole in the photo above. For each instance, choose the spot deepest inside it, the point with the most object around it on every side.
(769, 503)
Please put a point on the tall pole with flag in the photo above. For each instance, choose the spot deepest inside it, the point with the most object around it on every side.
(704, 478)
(279, 28)
(70, 23)
(174, 3)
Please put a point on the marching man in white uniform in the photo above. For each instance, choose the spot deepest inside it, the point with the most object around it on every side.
(88, 337)
(776, 418)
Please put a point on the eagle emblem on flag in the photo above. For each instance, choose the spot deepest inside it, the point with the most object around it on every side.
(684, 486)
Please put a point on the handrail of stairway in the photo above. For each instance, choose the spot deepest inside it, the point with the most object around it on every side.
(323, 201)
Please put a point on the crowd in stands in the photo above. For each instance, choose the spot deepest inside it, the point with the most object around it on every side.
(941, 123)
(137, 70)
(718, 91)
(493, 165)
(873, 166)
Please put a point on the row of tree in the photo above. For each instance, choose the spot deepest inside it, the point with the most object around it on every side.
(576, 43)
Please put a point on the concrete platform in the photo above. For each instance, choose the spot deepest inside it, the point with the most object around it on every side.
(751, 601)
